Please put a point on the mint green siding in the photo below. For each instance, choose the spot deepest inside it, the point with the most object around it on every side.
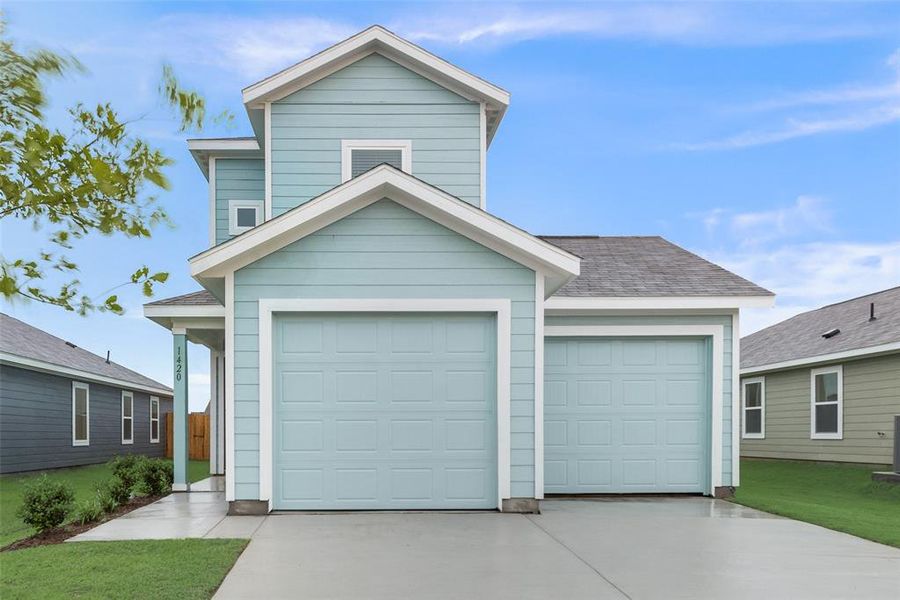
(724, 320)
(373, 98)
(383, 251)
(236, 179)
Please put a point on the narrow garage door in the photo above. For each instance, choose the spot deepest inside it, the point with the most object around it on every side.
(625, 415)
(385, 411)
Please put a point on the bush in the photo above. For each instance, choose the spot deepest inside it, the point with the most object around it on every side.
(126, 468)
(119, 489)
(88, 511)
(155, 476)
(46, 503)
(105, 499)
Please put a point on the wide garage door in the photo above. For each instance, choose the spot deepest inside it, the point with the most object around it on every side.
(626, 415)
(385, 411)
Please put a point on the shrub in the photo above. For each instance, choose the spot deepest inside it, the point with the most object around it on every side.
(105, 499)
(126, 468)
(88, 511)
(119, 489)
(155, 476)
(46, 503)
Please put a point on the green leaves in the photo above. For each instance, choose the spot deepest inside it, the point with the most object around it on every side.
(97, 176)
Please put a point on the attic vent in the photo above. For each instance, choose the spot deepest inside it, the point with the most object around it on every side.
(831, 333)
(366, 158)
(71, 345)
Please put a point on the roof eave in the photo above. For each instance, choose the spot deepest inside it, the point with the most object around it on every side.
(854, 354)
(726, 303)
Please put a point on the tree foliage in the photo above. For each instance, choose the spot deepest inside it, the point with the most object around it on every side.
(96, 176)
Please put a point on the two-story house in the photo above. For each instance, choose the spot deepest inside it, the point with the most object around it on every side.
(380, 340)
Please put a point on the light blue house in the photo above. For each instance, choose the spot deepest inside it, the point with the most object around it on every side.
(381, 341)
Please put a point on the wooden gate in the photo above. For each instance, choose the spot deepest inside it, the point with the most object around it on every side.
(198, 436)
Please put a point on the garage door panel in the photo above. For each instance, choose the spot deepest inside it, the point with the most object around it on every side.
(412, 425)
(634, 423)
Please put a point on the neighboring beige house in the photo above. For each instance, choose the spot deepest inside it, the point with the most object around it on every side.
(825, 384)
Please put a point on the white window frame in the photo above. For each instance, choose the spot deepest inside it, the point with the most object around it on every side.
(154, 400)
(130, 396)
(813, 434)
(78, 385)
(761, 408)
(234, 205)
(348, 146)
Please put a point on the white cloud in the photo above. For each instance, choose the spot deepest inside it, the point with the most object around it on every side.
(854, 108)
(807, 276)
(808, 214)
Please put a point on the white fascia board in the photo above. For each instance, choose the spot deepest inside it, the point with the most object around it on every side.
(570, 303)
(45, 367)
(809, 361)
(380, 182)
(372, 39)
(222, 145)
(182, 311)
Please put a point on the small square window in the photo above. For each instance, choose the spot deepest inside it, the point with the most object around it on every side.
(244, 215)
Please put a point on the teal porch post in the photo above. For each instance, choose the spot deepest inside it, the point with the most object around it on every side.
(180, 413)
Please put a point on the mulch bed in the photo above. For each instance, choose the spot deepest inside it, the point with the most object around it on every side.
(64, 532)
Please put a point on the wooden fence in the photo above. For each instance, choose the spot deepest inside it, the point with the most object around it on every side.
(198, 436)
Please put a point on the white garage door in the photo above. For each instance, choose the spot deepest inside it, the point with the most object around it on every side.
(626, 415)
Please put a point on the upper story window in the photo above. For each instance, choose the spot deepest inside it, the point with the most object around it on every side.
(244, 215)
(753, 394)
(81, 414)
(127, 417)
(827, 403)
(358, 156)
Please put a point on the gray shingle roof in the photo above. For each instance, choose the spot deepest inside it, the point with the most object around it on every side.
(801, 336)
(21, 339)
(201, 297)
(646, 266)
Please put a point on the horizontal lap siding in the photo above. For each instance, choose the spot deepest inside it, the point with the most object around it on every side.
(374, 98)
(871, 399)
(382, 251)
(724, 320)
(236, 179)
(36, 423)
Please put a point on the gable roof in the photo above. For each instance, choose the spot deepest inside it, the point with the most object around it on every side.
(29, 347)
(799, 340)
(646, 266)
(378, 39)
(385, 181)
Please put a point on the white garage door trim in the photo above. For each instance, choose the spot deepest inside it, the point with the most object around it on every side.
(716, 332)
(269, 306)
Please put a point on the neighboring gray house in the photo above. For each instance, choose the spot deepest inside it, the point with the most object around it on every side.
(62, 406)
(825, 384)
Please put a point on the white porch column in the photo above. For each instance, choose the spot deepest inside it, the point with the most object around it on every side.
(217, 413)
(180, 411)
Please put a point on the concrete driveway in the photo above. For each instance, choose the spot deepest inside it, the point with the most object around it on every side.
(634, 548)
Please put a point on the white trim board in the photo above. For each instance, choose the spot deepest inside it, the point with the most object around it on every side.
(212, 200)
(269, 306)
(181, 311)
(810, 361)
(370, 187)
(538, 386)
(736, 416)
(46, 367)
(716, 332)
(386, 43)
(230, 471)
(564, 304)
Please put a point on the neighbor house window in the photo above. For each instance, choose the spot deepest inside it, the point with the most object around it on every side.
(127, 417)
(754, 406)
(359, 156)
(81, 414)
(244, 215)
(827, 403)
(154, 419)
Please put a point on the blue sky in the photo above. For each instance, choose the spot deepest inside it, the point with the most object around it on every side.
(765, 137)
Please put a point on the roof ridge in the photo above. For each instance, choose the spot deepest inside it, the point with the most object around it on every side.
(890, 289)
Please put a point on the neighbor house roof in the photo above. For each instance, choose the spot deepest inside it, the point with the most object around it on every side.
(800, 340)
(646, 266)
(29, 347)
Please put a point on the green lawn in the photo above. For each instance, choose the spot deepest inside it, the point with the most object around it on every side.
(83, 480)
(139, 569)
(840, 497)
